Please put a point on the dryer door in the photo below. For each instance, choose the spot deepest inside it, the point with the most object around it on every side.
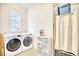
(27, 41)
(13, 45)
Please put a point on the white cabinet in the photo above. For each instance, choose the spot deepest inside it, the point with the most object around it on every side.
(44, 45)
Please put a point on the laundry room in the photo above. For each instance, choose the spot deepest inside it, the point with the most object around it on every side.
(39, 29)
(26, 29)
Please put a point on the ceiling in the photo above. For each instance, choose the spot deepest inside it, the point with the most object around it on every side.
(28, 5)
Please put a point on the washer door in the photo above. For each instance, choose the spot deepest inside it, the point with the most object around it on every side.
(13, 45)
(27, 41)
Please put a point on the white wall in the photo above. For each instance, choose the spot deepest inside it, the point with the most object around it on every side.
(40, 17)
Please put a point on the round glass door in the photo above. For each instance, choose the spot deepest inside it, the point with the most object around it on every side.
(13, 45)
(27, 41)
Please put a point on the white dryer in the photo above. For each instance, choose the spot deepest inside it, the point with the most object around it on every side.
(13, 44)
(26, 41)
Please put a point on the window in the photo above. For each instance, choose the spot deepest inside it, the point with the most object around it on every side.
(65, 9)
(15, 21)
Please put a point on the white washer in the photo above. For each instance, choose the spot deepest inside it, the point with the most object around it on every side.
(13, 44)
(26, 41)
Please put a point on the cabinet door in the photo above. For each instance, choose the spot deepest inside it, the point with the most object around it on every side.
(1, 41)
(1, 45)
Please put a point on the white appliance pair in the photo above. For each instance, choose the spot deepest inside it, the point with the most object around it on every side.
(16, 43)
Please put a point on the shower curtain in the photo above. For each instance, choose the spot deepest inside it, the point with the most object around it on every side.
(67, 31)
(57, 32)
(75, 33)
